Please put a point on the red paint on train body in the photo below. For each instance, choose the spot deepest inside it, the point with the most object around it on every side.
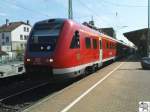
(64, 46)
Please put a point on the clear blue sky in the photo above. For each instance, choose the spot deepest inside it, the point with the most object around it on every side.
(106, 13)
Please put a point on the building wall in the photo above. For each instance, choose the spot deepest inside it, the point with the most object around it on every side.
(5, 38)
(18, 45)
(20, 36)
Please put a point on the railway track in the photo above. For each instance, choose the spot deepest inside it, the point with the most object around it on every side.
(6, 101)
(23, 98)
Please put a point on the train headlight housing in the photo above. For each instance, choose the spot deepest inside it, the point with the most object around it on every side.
(51, 60)
(28, 60)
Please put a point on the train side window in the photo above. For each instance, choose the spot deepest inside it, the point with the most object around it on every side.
(88, 42)
(107, 45)
(114, 46)
(110, 45)
(94, 43)
(100, 44)
(75, 43)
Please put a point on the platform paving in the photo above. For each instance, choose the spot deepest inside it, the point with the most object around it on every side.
(121, 91)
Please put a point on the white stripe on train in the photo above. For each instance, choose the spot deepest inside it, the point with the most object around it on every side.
(77, 68)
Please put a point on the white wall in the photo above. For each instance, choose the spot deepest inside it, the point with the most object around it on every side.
(6, 48)
(17, 42)
(20, 31)
(14, 37)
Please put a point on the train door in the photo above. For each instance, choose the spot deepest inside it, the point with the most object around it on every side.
(100, 52)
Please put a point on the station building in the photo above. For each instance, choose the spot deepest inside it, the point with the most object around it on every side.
(139, 38)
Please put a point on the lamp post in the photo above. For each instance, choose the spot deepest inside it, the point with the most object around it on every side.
(70, 11)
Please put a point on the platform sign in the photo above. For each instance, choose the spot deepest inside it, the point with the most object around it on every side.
(144, 106)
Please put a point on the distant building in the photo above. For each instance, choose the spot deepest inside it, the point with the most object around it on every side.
(14, 35)
(108, 31)
(139, 38)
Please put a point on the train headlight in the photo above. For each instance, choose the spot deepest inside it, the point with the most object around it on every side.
(28, 60)
(51, 60)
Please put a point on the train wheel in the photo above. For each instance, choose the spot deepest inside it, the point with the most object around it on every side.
(90, 70)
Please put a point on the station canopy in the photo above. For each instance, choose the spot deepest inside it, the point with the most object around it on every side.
(137, 36)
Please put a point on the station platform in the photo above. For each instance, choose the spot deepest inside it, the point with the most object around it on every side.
(118, 87)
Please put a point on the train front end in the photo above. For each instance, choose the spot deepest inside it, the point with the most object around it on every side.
(41, 45)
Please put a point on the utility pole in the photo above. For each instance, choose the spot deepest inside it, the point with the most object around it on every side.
(148, 34)
(70, 12)
(92, 21)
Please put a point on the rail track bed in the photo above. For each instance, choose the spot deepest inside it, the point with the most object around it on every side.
(19, 93)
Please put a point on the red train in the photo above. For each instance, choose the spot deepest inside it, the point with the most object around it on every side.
(62, 46)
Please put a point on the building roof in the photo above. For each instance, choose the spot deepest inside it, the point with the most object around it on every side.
(11, 26)
(109, 31)
(136, 36)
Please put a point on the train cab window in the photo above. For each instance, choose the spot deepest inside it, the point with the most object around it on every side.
(75, 43)
(94, 43)
(100, 44)
(88, 42)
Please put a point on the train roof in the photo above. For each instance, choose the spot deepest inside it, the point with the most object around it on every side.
(52, 20)
(82, 27)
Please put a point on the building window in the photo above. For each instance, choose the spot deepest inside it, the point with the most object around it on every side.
(88, 42)
(21, 37)
(25, 37)
(3, 35)
(21, 46)
(94, 43)
(25, 29)
(7, 39)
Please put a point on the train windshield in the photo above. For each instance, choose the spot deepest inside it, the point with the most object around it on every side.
(44, 36)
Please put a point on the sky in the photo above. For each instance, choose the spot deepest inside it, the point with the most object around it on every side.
(122, 15)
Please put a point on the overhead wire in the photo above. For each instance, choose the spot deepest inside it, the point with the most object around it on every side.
(94, 12)
(123, 5)
(27, 9)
